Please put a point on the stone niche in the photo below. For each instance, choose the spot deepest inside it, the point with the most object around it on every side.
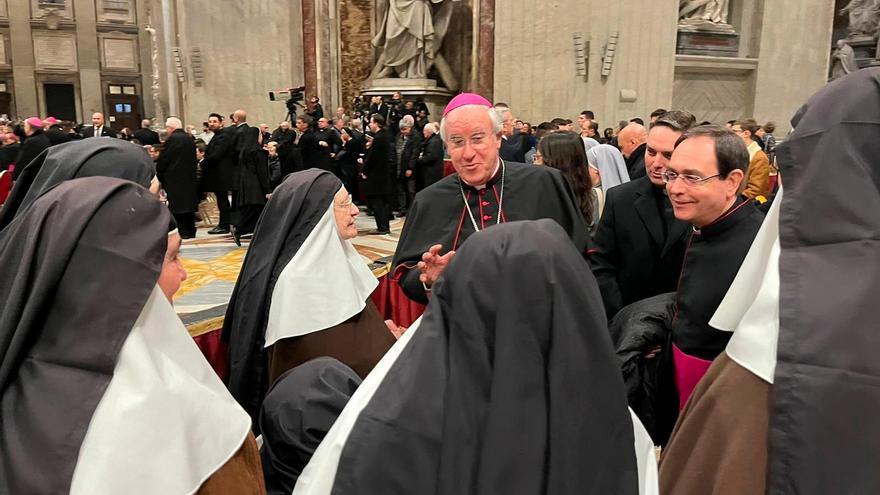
(358, 24)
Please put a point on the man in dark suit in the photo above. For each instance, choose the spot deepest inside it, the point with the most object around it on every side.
(176, 170)
(631, 140)
(377, 176)
(407, 146)
(217, 169)
(55, 131)
(429, 165)
(328, 144)
(98, 128)
(305, 146)
(513, 144)
(347, 155)
(640, 245)
(145, 135)
(237, 131)
(378, 106)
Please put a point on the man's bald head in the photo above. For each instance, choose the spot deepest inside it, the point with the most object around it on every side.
(239, 116)
(631, 137)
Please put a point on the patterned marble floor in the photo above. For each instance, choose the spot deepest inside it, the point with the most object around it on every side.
(213, 262)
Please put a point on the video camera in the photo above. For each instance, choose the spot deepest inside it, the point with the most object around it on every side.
(294, 98)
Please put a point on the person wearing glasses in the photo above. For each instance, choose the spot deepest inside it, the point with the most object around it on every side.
(703, 181)
(639, 243)
(303, 291)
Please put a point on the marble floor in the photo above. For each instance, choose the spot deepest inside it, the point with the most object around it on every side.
(213, 262)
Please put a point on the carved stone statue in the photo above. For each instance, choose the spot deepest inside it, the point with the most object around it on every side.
(709, 15)
(843, 60)
(409, 38)
(864, 18)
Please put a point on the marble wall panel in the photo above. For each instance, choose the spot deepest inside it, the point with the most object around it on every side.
(354, 43)
(535, 58)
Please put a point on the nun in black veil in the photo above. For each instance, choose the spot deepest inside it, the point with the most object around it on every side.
(507, 384)
(303, 291)
(76, 159)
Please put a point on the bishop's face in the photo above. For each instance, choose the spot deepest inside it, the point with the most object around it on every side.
(472, 144)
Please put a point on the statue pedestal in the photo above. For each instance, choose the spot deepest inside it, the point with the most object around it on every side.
(708, 43)
(435, 97)
(865, 50)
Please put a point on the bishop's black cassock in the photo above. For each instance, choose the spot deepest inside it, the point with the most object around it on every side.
(517, 191)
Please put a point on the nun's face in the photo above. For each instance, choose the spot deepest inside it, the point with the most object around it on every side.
(346, 212)
(173, 274)
(594, 176)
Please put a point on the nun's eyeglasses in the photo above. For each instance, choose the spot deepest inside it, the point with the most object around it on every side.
(346, 204)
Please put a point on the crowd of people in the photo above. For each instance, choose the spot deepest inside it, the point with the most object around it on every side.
(587, 299)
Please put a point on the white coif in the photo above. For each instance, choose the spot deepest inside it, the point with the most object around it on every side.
(326, 283)
(166, 422)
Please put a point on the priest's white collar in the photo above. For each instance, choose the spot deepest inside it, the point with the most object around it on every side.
(483, 186)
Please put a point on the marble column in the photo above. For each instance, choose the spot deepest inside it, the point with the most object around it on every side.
(91, 92)
(486, 50)
(22, 50)
(310, 54)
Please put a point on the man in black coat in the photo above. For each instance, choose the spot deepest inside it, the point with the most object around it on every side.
(284, 135)
(217, 170)
(34, 143)
(347, 155)
(513, 144)
(237, 131)
(176, 170)
(305, 146)
(57, 134)
(98, 128)
(429, 165)
(9, 147)
(145, 135)
(328, 143)
(640, 245)
(377, 175)
(631, 140)
(407, 146)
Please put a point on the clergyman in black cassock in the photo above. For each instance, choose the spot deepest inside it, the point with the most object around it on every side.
(439, 214)
(801, 382)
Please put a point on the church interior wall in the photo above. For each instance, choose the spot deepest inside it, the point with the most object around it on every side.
(535, 58)
(354, 43)
(246, 51)
(794, 56)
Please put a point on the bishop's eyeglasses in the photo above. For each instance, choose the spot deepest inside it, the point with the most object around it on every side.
(689, 180)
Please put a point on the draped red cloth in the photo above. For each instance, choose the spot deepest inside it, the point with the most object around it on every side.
(448, 169)
(6, 184)
(215, 351)
(393, 303)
